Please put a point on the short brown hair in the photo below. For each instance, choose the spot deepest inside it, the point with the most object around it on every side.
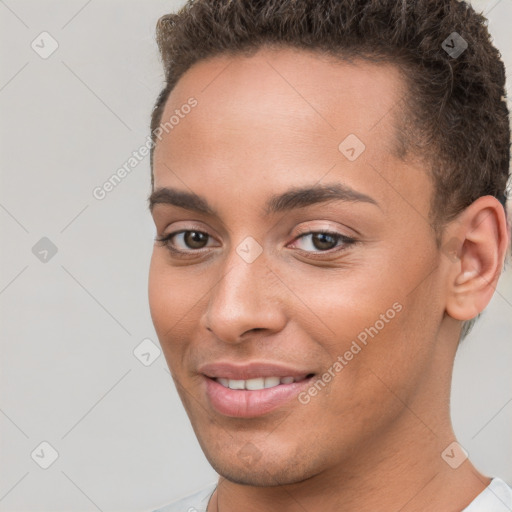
(455, 114)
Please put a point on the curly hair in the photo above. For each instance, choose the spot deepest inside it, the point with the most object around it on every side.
(454, 116)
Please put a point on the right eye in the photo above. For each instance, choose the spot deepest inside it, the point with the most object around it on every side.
(185, 241)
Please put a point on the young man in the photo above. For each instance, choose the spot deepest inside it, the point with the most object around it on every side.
(329, 197)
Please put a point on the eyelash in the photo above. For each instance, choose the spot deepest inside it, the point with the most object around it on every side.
(345, 241)
(166, 240)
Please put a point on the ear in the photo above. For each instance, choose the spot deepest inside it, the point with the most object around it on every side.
(477, 244)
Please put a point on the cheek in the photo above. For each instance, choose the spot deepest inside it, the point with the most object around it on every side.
(367, 317)
(164, 305)
(175, 300)
(344, 304)
(168, 302)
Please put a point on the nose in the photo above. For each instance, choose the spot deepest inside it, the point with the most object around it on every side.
(247, 298)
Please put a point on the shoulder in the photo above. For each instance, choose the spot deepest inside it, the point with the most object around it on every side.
(496, 497)
(196, 502)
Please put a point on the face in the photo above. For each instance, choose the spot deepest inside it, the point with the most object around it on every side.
(296, 245)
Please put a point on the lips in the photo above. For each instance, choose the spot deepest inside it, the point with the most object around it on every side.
(254, 389)
(251, 371)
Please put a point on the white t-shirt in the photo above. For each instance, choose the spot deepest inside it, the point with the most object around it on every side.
(496, 497)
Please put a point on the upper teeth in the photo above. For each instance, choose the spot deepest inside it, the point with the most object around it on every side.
(257, 383)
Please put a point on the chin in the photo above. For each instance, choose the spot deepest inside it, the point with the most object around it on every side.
(266, 471)
(259, 477)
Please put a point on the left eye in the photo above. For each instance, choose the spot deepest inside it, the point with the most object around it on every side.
(193, 239)
(181, 242)
(322, 241)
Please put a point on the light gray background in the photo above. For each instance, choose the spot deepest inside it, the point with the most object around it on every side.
(69, 326)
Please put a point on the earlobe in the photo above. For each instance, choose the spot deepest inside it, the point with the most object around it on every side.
(481, 231)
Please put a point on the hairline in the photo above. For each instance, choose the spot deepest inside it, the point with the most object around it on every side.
(401, 147)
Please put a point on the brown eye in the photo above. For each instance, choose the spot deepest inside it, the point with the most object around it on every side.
(323, 241)
(186, 241)
(195, 239)
(321, 244)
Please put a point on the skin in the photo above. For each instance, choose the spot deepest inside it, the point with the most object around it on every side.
(373, 438)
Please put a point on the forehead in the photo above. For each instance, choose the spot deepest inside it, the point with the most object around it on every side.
(293, 85)
(280, 115)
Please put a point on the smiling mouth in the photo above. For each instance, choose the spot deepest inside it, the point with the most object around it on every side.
(254, 396)
(259, 383)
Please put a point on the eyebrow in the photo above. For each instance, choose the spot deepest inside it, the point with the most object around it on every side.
(297, 197)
